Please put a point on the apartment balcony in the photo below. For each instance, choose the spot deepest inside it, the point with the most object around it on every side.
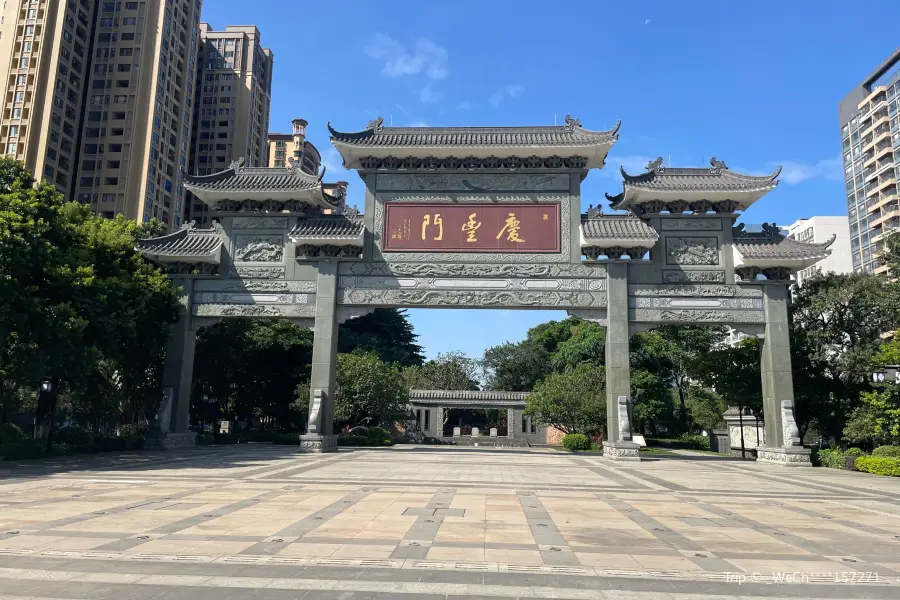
(886, 181)
(870, 102)
(880, 118)
(883, 268)
(889, 218)
(884, 150)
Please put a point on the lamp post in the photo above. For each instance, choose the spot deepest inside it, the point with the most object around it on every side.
(45, 409)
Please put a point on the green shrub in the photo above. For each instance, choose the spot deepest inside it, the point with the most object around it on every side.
(10, 433)
(379, 436)
(256, 436)
(694, 441)
(22, 449)
(73, 436)
(134, 443)
(63, 450)
(854, 452)
(353, 440)
(576, 442)
(225, 438)
(287, 439)
(888, 451)
(205, 438)
(832, 458)
(879, 465)
(135, 430)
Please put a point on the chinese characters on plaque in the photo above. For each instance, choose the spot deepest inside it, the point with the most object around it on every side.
(533, 227)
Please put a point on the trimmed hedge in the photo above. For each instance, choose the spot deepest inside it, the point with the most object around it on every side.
(888, 451)
(287, 439)
(576, 442)
(22, 449)
(686, 441)
(879, 465)
(367, 436)
(10, 433)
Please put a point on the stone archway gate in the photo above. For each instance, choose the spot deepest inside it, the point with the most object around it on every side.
(486, 217)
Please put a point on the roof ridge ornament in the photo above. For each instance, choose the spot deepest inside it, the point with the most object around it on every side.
(376, 124)
(572, 122)
(655, 165)
(189, 226)
(737, 230)
(594, 212)
(351, 212)
(237, 164)
(717, 165)
(772, 230)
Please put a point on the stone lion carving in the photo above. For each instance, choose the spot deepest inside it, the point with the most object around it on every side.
(624, 422)
(789, 425)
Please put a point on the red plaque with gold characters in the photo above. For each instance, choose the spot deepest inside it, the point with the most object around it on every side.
(532, 227)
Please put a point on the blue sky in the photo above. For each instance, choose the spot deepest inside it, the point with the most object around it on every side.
(755, 84)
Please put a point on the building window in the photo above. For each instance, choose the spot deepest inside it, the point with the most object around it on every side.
(11, 148)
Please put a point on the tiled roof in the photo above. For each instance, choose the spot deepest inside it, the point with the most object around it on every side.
(239, 179)
(618, 227)
(716, 178)
(766, 246)
(336, 227)
(187, 242)
(466, 395)
(569, 135)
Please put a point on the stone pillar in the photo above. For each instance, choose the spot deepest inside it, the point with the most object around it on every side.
(511, 423)
(319, 435)
(174, 415)
(782, 438)
(618, 445)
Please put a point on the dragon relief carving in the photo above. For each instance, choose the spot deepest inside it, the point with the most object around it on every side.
(690, 224)
(259, 248)
(692, 251)
(477, 182)
(646, 315)
(695, 290)
(694, 276)
(475, 270)
(259, 223)
(257, 272)
(470, 298)
(270, 286)
(254, 310)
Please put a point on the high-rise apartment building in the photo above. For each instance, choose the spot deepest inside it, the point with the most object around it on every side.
(294, 146)
(233, 98)
(870, 137)
(45, 58)
(818, 230)
(99, 98)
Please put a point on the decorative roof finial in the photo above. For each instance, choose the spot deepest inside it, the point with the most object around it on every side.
(237, 164)
(594, 212)
(655, 165)
(717, 164)
(351, 212)
(376, 124)
(572, 122)
(737, 230)
(771, 229)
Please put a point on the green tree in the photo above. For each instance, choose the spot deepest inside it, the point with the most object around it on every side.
(837, 323)
(448, 371)
(733, 372)
(369, 391)
(891, 254)
(74, 292)
(705, 407)
(587, 343)
(876, 420)
(251, 368)
(515, 367)
(385, 331)
(572, 401)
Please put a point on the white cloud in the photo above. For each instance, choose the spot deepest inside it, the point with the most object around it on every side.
(514, 91)
(648, 21)
(466, 106)
(508, 91)
(633, 165)
(428, 95)
(425, 57)
(797, 172)
(334, 164)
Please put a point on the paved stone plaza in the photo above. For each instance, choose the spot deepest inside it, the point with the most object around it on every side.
(423, 522)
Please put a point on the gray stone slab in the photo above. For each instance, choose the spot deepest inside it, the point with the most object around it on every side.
(426, 526)
(306, 524)
(418, 511)
(610, 473)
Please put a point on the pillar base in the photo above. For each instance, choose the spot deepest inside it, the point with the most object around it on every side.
(792, 456)
(317, 443)
(171, 440)
(622, 451)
